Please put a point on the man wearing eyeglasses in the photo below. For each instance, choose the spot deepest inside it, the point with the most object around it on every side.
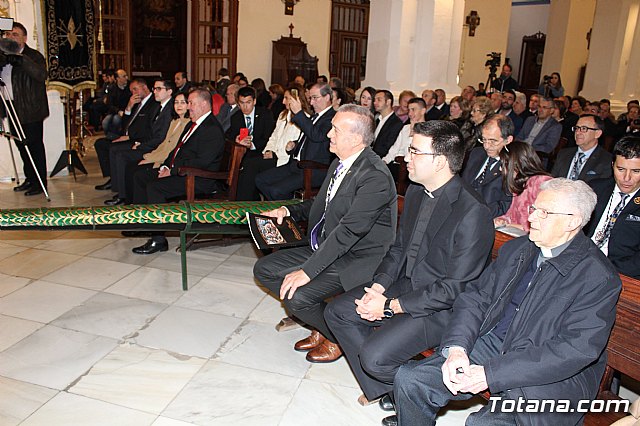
(280, 183)
(483, 170)
(615, 224)
(132, 150)
(534, 325)
(443, 243)
(542, 132)
(588, 160)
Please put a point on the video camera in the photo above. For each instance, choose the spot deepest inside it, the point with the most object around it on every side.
(494, 62)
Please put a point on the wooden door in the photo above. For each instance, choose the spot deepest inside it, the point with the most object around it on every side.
(349, 31)
(531, 56)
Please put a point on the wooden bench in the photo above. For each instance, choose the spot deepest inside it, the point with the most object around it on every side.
(623, 348)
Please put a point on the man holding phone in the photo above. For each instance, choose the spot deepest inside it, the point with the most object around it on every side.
(251, 126)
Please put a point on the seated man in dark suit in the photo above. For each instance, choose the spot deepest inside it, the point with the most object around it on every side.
(259, 124)
(388, 124)
(430, 98)
(352, 223)
(483, 169)
(588, 160)
(506, 109)
(132, 150)
(281, 182)
(138, 116)
(229, 107)
(183, 85)
(201, 145)
(543, 131)
(615, 224)
(533, 327)
(443, 243)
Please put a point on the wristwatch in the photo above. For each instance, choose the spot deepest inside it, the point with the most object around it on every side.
(387, 311)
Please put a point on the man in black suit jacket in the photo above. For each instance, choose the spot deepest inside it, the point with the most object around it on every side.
(483, 169)
(352, 223)
(259, 124)
(615, 223)
(201, 145)
(388, 124)
(229, 107)
(443, 243)
(132, 150)
(542, 132)
(430, 98)
(281, 182)
(588, 160)
(138, 118)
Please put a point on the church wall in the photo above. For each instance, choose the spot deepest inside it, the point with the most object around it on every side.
(491, 36)
(262, 21)
(526, 20)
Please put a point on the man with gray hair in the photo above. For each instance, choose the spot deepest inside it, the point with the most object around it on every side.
(534, 325)
(351, 224)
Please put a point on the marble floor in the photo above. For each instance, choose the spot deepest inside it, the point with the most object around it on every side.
(91, 334)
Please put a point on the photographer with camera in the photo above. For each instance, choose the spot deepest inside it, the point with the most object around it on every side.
(551, 86)
(505, 81)
(630, 125)
(24, 72)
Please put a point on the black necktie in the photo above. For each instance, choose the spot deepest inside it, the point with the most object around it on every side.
(480, 179)
(302, 140)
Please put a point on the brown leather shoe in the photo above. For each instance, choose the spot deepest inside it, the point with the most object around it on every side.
(310, 342)
(326, 352)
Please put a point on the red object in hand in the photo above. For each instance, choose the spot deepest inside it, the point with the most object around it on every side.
(244, 132)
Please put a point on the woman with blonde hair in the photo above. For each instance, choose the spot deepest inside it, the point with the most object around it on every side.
(481, 109)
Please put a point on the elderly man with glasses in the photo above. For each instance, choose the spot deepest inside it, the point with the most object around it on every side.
(534, 326)
(483, 169)
(443, 243)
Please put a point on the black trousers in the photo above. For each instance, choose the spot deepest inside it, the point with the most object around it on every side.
(129, 173)
(34, 141)
(251, 166)
(148, 188)
(308, 301)
(120, 156)
(376, 350)
(102, 147)
(281, 182)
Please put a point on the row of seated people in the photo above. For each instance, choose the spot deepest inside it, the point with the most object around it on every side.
(532, 324)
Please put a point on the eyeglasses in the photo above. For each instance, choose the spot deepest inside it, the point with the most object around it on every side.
(542, 213)
(492, 142)
(475, 110)
(316, 97)
(157, 89)
(582, 129)
(414, 151)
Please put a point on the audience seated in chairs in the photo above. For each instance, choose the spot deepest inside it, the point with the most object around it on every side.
(388, 125)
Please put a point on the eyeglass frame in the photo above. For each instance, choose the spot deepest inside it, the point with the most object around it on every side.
(158, 89)
(491, 142)
(544, 213)
(575, 129)
(411, 150)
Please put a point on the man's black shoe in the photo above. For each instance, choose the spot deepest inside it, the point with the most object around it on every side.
(36, 190)
(390, 421)
(104, 186)
(23, 186)
(386, 403)
(151, 247)
(115, 201)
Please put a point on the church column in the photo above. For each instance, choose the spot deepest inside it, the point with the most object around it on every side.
(613, 68)
(414, 44)
(566, 45)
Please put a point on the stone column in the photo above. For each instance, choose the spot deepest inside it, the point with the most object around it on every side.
(613, 69)
(414, 44)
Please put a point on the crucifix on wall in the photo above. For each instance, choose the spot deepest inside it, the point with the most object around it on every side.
(473, 22)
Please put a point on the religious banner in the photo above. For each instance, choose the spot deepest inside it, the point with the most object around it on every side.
(70, 28)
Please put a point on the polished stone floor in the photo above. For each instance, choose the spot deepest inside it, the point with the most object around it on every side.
(91, 334)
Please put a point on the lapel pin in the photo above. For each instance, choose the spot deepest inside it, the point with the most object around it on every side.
(636, 200)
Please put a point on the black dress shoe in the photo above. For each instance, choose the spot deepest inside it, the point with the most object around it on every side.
(115, 201)
(386, 403)
(36, 190)
(23, 186)
(104, 186)
(151, 247)
(390, 421)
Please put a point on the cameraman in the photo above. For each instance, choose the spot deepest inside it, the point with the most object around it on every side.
(630, 125)
(505, 81)
(25, 74)
(551, 86)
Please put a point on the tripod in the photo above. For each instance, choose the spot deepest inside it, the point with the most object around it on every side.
(69, 158)
(19, 137)
(490, 79)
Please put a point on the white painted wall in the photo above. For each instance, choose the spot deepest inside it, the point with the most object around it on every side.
(525, 21)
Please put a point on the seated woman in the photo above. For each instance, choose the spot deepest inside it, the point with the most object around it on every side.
(155, 158)
(366, 98)
(459, 114)
(522, 175)
(275, 152)
(481, 109)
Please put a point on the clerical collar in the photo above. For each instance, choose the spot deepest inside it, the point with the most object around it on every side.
(547, 253)
(437, 192)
